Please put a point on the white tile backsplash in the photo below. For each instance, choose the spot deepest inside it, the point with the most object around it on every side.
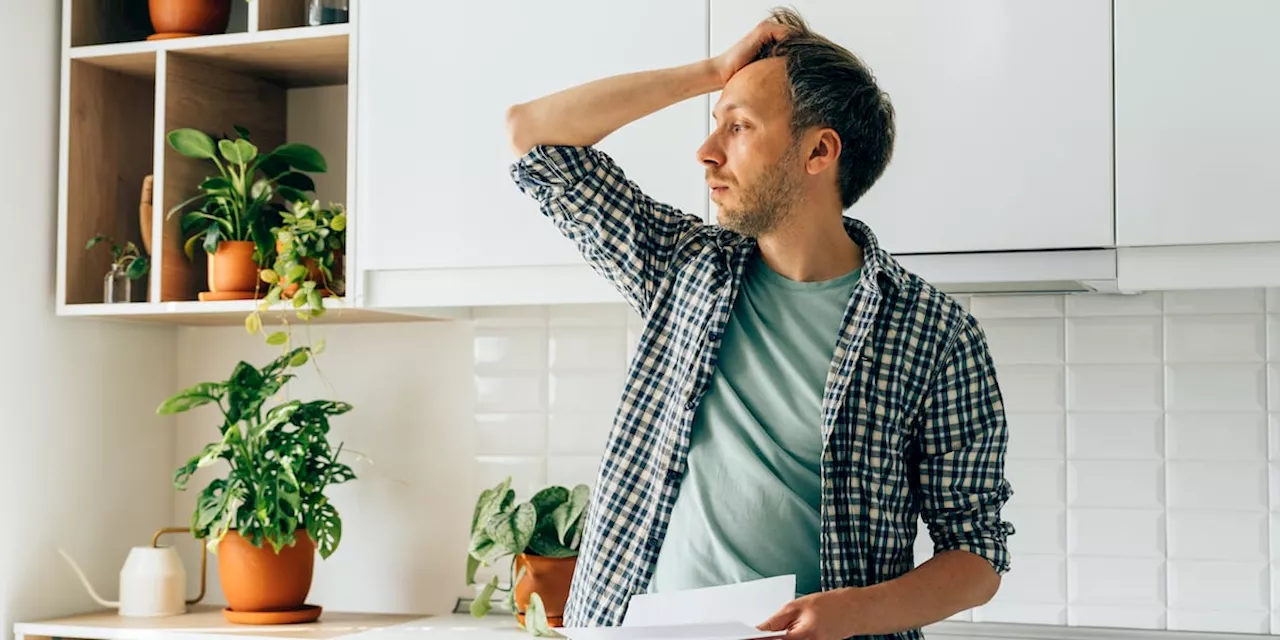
(1201, 534)
(1032, 388)
(1117, 581)
(1140, 432)
(1218, 485)
(1036, 436)
(1115, 340)
(1214, 301)
(1218, 586)
(1144, 304)
(1137, 484)
(1217, 436)
(1115, 436)
(1115, 387)
(1035, 306)
(1217, 387)
(1118, 533)
(1216, 338)
(1025, 340)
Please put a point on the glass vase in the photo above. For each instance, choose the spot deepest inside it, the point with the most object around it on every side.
(116, 286)
(326, 12)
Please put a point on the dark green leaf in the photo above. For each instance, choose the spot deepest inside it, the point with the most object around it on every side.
(272, 167)
(191, 143)
(546, 501)
(216, 183)
(244, 133)
(301, 157)
(212, 236)
(299, 181)
(544, 543)
(95, 240)
(137, 268)
(290, 194)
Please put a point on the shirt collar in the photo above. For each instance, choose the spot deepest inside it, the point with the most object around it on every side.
(875, 261)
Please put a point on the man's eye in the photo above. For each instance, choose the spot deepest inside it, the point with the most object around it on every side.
(737, 127)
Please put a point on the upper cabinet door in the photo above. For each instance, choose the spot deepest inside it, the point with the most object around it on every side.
(1003, 116)
(1197, 121)
(435, 80)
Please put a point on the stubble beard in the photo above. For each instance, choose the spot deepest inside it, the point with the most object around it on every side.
(766, 204)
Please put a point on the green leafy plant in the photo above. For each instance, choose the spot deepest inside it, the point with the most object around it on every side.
(549, 525)
(310, 245)
(279, 460)
(239, 203)
(126, 258)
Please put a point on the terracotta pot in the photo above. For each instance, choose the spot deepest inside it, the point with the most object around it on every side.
(232, 268)
(185, 18)
(550, 578)
(259, 579)
(314, 274)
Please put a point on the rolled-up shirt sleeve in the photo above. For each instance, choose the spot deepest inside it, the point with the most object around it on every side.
(963, 440)
(624, 235)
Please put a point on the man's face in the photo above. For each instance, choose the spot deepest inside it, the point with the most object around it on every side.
(751, 159)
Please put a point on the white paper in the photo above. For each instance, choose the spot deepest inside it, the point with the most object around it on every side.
(696, 631)
(729, 612)
(749, 603)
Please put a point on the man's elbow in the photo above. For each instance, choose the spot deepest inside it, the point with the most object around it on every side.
(987, 587)
(518, 129)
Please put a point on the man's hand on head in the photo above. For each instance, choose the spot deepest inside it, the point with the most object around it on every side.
(742, 52)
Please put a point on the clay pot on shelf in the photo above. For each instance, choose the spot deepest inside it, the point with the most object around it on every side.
(550, 578)
(187, 18)
(265, 587)
(233, 273)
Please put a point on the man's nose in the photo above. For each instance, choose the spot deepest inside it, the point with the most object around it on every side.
(710, 153)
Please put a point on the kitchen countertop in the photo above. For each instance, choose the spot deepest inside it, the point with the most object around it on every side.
(206, 623)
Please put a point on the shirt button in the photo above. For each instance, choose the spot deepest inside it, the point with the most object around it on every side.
(673, 475)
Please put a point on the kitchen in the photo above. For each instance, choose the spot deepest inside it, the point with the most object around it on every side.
(1107, 225)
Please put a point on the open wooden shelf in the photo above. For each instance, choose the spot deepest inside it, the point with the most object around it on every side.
(292, 58)
(229, 313)
(282, 81)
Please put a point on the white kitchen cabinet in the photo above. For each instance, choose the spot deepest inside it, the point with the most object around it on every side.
(435, 80)
(1003, 117)
(1197, 121)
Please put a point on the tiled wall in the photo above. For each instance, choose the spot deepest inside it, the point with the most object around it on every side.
(1145, 445)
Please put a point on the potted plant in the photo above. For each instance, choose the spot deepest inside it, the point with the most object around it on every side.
(233, 213)
(266, 517)
(186, 18)
(308, 267)
(542, 537)
(127, 265)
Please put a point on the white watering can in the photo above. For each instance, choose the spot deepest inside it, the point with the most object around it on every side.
(152, 580)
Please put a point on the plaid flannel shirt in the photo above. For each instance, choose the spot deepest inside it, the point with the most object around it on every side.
(911, 411)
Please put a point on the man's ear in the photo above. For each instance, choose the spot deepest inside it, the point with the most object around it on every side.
(824, 150)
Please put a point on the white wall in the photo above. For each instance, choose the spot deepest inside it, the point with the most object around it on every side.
(1143, 432)
(86, 461)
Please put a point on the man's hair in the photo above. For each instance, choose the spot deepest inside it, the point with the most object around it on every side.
(831, 87)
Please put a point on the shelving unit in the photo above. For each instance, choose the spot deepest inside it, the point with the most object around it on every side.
(122, 94)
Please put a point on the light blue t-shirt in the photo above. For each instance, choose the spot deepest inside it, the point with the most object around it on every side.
(748, 507)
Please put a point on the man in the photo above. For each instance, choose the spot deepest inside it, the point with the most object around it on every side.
(797, 399)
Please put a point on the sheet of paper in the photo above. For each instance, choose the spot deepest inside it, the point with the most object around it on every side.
(749, 603)
(703, 631)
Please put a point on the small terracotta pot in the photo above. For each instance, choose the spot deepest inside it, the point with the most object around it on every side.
(259, 579)
(185, 18)
(232, 267)
(550, 578)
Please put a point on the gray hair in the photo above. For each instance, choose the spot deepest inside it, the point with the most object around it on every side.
(832, 87)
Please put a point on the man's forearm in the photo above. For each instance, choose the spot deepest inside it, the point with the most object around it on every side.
(585, 114)
(946, 584)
